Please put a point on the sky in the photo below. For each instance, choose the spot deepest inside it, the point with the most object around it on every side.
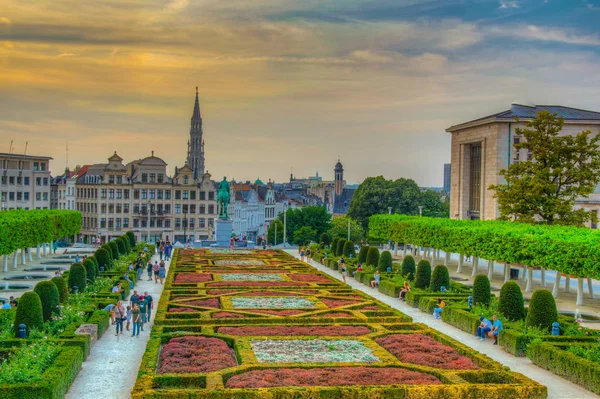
(284, 85)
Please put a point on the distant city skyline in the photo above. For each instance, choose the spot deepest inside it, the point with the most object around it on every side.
(284, 85)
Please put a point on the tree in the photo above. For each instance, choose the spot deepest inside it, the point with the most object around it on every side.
(339, 228)
(114, 249)
(271, 232)
(481, 290)
(49, 297)
(340, 246)
(408, 267)
(362, 254)
(385, 261)
(439, 278)
(423, 275)
(325, 239)
(305, 235)
(77, 277)
(333, 246)
(29, 312)
(103, 257)
(373, 256)
(561, 169)
(542, 310)
(349, 251)
(90, 269)
(510, 303)
(61, 286)
(315, 217)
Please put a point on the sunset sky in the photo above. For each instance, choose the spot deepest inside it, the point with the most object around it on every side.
(284, 83)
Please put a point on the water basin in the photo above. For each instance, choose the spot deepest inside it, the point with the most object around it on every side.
(14, 287)
(45, 269)
(28, 277)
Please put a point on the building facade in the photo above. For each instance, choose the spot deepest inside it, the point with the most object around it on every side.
(447, 177)
(482, 147)
(25, 181)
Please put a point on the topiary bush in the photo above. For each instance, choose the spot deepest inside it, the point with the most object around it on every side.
(340, 247)
(349, 251)
(385, 261)
(333, 246)
(423, 274)
(542, 310)
(29, 312)
(481, 290)
(103, 258)
(120, 246)
(511, 303)
(131, 237)
(372, 257)
(90, 269)
(362, 254)
(61, 286)
(325, 239)
(77, 277)
(49, 297)
(114, 249)
(439, 278)
(408, 267)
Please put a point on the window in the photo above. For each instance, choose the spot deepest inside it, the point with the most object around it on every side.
(136, 208)
(167, 223)
(152, 177)
(193, 194)
(118, 208)
(516, 155)
(4, 179)
(11, 196)
(211, 195)
(152, 194)
(19, 196)
(211, 209)
(159, 223)
(177, 223)
(152, 222)
(193, 208)
(191, 224)
(185, 180)
(126, 194)
(11, 180)
(19, 180)
(111, 223)
(119, 179)
(185, 208)
(42, 166)
(211, 222)
(103, 223)
(111, 208)
(202, 209)
(111, 193)
(136, 223)
(103, 193)
(3, 196)
(177, 208)
(529, 154)
(144, 177)
(38, 196)
(125, 223)
(186, 194)
(202, 195)
(36, 166)
(26, 196)
(119, 193)
(161, 178)
(111, 179)
(202, 223)
(177, 194)
(102, 208)
(118, 223)
(136, 193)
(159, 194)
(144, 194)
(159, 208)
(167, 195)
(167, 209)
(144, 224)
(125, 208)
(45, 181)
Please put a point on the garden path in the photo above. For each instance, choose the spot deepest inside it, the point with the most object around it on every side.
(558, 388)
(111, 369)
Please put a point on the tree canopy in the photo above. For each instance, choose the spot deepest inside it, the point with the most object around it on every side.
(561, 168)
(304, 235)
(314, 217)
(339, 228)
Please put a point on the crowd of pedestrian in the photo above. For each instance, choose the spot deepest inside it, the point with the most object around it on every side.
(134, 316)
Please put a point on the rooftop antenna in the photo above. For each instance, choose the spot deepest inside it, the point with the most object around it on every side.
(26, 145)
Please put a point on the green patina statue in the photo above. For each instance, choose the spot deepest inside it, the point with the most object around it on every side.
(223, 199)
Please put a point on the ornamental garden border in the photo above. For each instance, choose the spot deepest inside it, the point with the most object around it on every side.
(231, 341)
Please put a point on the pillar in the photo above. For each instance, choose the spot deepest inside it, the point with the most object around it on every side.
(543, 276)
(506, 272)
(433, 256)
(395, 248)
(404, 250)
(447, 259)
(23, 260)
(15, 259)
(524, 270)
(475, 266)
(579, 291)
(45, 249)
(5, 266)
(29, 257)
(490, 269)
(52, 244)
(556, 285)
(590, 287)
(37, 252)
(528, 287)
(568, 284)
(461, 259)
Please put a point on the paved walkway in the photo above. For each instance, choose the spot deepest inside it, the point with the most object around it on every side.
(111, 368)
(558, 388)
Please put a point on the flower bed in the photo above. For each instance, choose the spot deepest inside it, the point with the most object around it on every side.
(312, 351)
(426, 351)
(227, 315)
(204, 303)
(333, 314)
(309, 278)
(336, 303)
(289, 312)
(239, 262)
(251, 277)
(271, 302)
(195, 355)
(255, 284)
(321, 331)
(220, 292)
(230, 251)
(181, 278)
(329, 377)
(267, 293)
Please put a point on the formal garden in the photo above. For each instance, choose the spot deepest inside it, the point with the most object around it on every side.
(41, 349)
(531, 328)
(261, 324)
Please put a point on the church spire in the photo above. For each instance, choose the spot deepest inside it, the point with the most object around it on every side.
(195, 157)
(196, 115)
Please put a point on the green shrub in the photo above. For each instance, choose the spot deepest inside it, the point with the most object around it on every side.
(385, 261)
(125, 240)
(93, 259)
(333, 246)
(423, 275)
(511, 304)
(542, 310)
(362, 254)
(104, 258)
(408, 267)
(372, 257)
(77, 277)
(29, 312)
(340, 247)
(49, 297)
(114, 249)
(61, 286)
(481, 290)
(121, 246)
(439, 278)
(390, 288)
(90, 269)
(349, 251)
(131, 237)
(325, 239)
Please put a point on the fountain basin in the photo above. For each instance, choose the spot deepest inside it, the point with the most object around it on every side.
(14, 287)
(586, 317)
(57, 262)
(45, 269)
(28, 277)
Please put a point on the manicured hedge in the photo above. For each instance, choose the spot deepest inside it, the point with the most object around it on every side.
(131, 236)
(440, 277)
(390, 288)
(385, 261)
(114, 249)
(362, 254)
(481, 290)
(349, 251)
(29, 312)
(104, 258)
(90, 269)
(408, 267)
(372, 256)
(542, 310)
(511, 303)
(77, 277)
(49, 297)
(423, 276)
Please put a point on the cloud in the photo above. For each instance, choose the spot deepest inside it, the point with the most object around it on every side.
(509, 4)
(177, 5)
(5, 21)
(550, 34)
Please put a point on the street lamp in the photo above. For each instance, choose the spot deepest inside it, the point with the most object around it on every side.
(284, 223)
(420, 211)
(148, 222)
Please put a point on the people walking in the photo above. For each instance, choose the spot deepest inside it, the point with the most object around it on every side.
(149, 270)
(149, 305)
(162, 273)
(143, 314)
(120, 316)
(136, 320)
(156, 270)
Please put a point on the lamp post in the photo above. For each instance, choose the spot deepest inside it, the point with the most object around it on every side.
(284, 224)
(148, 222)
(420, 211)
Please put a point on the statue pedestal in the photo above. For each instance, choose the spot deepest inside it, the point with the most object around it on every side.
(223, 230)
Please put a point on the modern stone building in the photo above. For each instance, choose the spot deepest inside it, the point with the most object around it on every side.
(25, 181)
(484, 146)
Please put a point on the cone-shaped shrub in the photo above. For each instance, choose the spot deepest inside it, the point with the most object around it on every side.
(408, 267)
(385, 261)
(103, 258)
(340, 247)
(439, 278)
(114, 250)
(77, 277)
(93, 259)
(125, 242)
(131, 237)
(349, 249)
(333, 246)
(29, 312)
(542, 310)
(373, 257)
(90, 270)
(49, 297)
(120, 246)
(423, 275)
(511, 303)
(481, 290)
(362, 254)
(325, 239)
(61, 286)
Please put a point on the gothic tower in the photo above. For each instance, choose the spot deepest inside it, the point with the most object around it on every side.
(339, 178)
(195, 155)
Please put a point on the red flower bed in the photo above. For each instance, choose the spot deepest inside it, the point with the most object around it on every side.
(221, 292)
(426, 351)
(192, 278)
(370, 307)
(227, 315)
(195, 355)
(309, 278)
(321, 331)
(334, 314)
(266, 293)
(255, 284)
(336, 303)
(330, 377)
(287, 312)
(205, 303)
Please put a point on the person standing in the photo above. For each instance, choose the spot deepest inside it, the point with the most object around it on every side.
(302, 254)
(156, 270)
(133, 299)
(149, 305)
(344, 271)
(162, 273)
(149, 270)
(120, 315)
(142, 305)
(128, 317)
(135, 314)
(139, 270)
(161, 251)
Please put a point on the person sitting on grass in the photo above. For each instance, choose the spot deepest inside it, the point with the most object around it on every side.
(485, 326)
(496, 328)
(376, 280)
(404, 290)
